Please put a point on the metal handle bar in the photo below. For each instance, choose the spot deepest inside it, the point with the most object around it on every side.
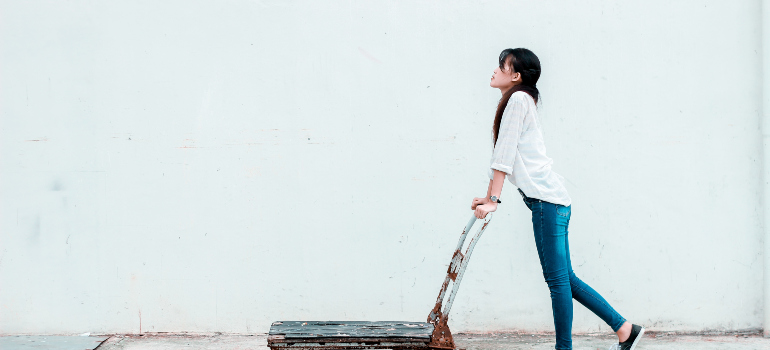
(456, 270)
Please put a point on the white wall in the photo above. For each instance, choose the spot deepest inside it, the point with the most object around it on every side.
(217, 166)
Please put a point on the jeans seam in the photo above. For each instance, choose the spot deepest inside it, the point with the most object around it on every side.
(545, 266)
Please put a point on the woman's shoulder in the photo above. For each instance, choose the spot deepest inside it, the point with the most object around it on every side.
(522, 96)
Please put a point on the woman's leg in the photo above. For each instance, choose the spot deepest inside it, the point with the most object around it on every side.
(586, 295)
(550, 222)
(550, 229)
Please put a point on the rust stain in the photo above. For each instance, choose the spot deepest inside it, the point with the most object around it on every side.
(435, 314)
(441, 338)
(186, 141)
(368, 55)
(454, 266)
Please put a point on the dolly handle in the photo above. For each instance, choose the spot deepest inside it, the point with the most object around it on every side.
(457, 269)
(464, 264)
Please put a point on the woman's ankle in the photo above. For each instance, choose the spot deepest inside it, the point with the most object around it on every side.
(624, 332)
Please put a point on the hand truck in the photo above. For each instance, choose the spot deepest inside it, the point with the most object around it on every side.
(396, 335)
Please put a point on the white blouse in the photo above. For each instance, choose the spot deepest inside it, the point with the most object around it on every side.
(520, 153)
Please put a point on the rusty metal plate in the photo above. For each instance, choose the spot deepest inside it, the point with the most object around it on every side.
(330, 335)
(352, 329)
(380, 344)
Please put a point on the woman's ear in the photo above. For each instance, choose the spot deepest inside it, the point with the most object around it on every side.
(516, 77)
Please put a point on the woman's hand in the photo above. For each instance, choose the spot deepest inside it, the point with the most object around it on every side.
(479, 201)
(483, 210)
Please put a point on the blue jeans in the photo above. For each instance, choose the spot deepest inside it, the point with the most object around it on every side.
(550, 223)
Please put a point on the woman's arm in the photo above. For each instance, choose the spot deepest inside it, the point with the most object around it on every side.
(496, 189)
(496, 184)
(504, 153)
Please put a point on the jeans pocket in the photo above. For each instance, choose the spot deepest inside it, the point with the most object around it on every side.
(563, 211)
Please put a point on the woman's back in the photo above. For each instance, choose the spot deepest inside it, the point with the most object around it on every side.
(520, 152)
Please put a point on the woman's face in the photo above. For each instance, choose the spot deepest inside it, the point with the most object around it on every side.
(506, 78)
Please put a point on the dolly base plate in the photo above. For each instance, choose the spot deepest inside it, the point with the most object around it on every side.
(318, 335)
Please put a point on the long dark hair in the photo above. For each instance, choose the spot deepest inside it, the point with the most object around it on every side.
(526, 63)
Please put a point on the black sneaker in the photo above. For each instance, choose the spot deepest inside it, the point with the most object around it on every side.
(630, 343)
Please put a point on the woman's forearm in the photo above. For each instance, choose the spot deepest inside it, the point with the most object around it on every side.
(485, 206)
(496, 184)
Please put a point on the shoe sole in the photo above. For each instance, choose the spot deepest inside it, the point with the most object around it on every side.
(638, 337)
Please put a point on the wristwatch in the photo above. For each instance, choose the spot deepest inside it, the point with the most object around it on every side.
(494, 199)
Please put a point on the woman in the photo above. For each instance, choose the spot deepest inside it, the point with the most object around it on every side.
(519, 154)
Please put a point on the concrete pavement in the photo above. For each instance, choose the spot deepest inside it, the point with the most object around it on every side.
(487, 341)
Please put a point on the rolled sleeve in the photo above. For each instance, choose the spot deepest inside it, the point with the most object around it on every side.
(511, 125)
